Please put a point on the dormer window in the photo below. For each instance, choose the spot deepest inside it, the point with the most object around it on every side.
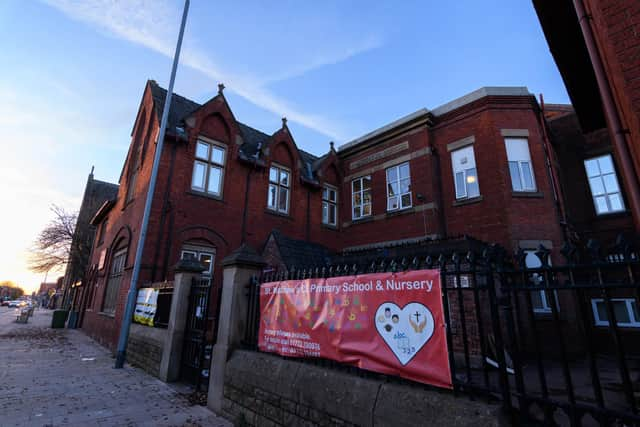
(279, 185)
(208, 169)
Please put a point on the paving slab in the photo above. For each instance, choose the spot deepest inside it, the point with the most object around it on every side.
(60, 377)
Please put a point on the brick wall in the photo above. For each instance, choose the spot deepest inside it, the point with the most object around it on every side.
(616, 24)
(265, 390)
(144, 348)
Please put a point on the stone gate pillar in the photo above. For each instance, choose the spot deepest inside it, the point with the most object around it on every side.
(238, 268)
(185, 272)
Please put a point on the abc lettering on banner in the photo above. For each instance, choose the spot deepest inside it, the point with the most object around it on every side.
(391, 323)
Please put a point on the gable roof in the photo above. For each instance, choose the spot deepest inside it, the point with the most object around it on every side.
(181, 107)
(253, 139)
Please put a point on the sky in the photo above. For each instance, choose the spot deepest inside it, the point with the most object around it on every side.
(73, 73)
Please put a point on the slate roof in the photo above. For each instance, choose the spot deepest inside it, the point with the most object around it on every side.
(105, 190)
(182, 107)
(300, 253)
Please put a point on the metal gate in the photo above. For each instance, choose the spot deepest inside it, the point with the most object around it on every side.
(194, 343)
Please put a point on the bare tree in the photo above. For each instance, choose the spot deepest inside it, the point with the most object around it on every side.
(53, 246)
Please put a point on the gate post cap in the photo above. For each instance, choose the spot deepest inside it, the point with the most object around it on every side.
(244, 255)
(189, 266)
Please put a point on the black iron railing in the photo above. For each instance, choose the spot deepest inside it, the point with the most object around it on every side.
(195, 335)
(553, 344)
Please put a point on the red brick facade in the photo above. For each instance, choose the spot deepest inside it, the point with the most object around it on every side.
(180, 215)
(616, 24)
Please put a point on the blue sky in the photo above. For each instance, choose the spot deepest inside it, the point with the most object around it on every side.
(74, 71)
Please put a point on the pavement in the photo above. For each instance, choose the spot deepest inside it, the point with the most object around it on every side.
(60, 377)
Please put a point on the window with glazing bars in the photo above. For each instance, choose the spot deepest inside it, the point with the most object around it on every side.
(361, 197)
(279, 187)
(464, 173)
(607, 197)
(519, 159)
(329, 205)
(208, 168)
(398, 187)
(114, 281)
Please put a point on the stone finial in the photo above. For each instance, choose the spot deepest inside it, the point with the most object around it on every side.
(244, 255)
(220, 88)
(284, 121)
(331, 146)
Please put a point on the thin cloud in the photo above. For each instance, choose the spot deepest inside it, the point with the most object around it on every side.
(324, 59)
(153, 24)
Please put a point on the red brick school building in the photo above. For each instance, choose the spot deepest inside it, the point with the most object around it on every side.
(478, 166)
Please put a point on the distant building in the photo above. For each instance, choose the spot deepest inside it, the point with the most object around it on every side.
(50, 293)
(45, 287)
(96, 193)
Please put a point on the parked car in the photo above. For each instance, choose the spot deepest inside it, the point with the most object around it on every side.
(5, 303)
(17, 304)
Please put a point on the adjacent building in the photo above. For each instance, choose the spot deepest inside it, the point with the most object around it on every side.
(96, 193)
(596, 46)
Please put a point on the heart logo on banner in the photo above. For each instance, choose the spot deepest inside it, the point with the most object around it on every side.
(405, 330)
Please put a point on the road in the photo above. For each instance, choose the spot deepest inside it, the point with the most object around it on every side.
(60, 377)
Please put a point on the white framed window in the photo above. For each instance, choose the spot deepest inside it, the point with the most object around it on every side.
(520, 167)
(603, 182)
(398, 187)
(208, 169)
(465, 174)
(279, 188)
(625, 311)
(329, 205)
(539, 298)
(361, 197)
(204, 255)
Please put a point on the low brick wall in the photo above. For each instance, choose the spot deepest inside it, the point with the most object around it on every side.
(144, 349)
(266, 390)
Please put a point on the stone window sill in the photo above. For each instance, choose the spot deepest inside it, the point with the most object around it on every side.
(543, 315)
(362, 220)
(470, 201)
(528, 194)
(278, 214)
(609, 215)
(205, 195)
(109, 315)
(391, 214)
(330, 227)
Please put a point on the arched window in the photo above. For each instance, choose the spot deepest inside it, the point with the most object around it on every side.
(114, 281)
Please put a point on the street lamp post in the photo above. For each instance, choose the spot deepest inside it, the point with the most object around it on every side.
(133, 287)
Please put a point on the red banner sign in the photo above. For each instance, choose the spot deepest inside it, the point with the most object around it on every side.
(391, 323)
